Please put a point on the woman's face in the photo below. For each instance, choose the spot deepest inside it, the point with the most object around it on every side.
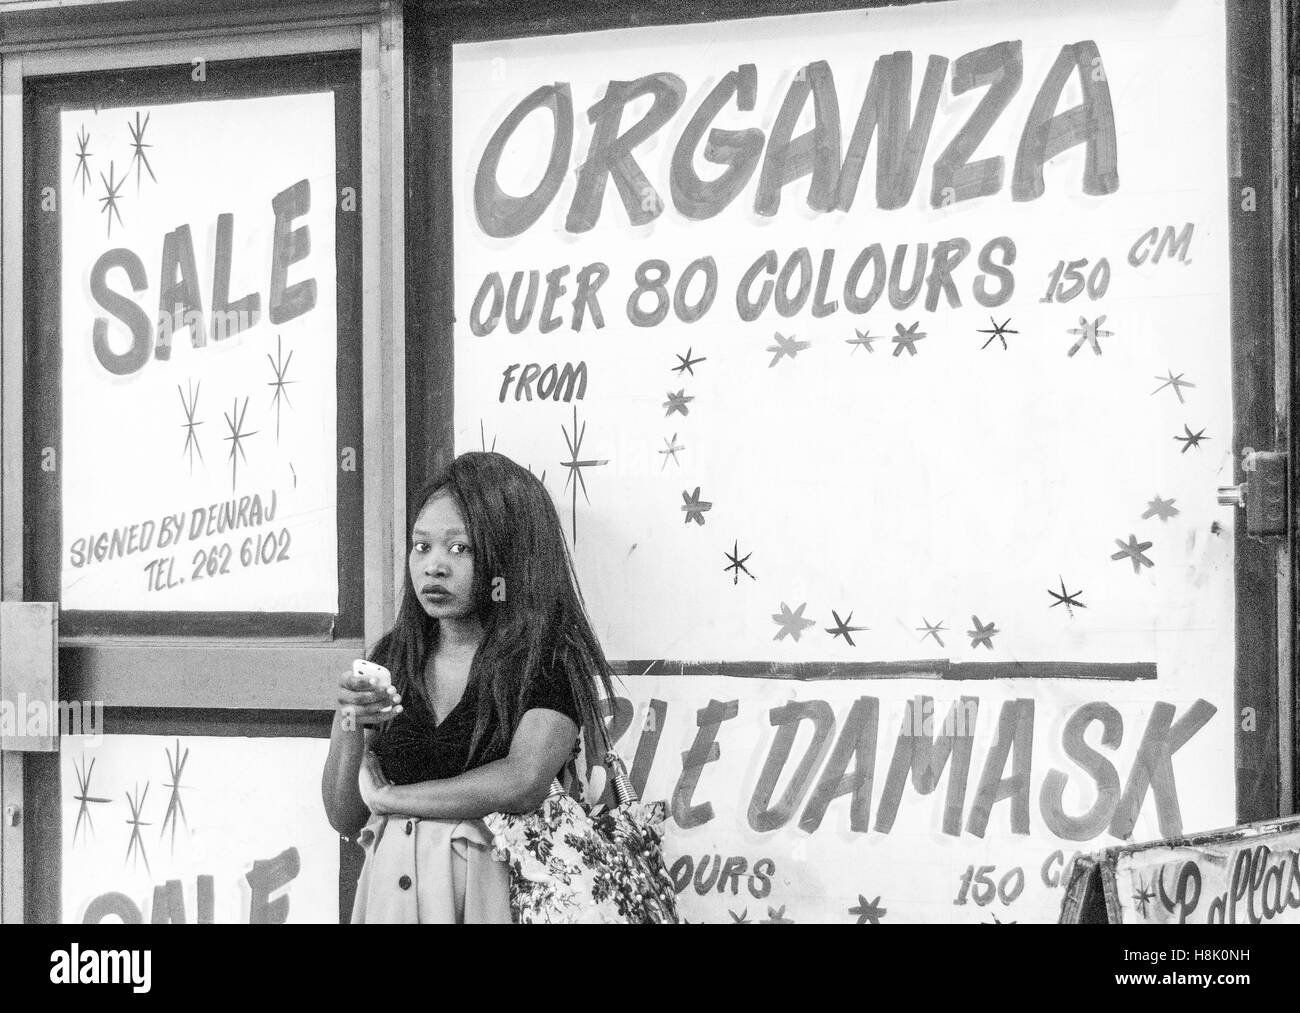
(441, 560)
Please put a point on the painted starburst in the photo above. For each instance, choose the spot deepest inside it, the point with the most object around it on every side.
(791, 623)
(235, 423)
(740, 919)
(863, 340)
(482, 436)
(1176, 382)
(280, 367)
(1133, 550)
(868, 911)
(932, 630)
(1143, 896)
(785, 348)
(111, 196)
(575, 466)
(843, 629)
(694, 507)
(1191, 439)
(1162, 508)
(135, 846)
(85, 798)
(82, 170)
(175, 807)
(776, 916)
(983, 633)
(138, 157)
(677, 402)
(671, 447)
(1070, 599)
(686, 362)
(906, 339)
(1088, 334)
(998, 333)
(736, 564)
(190, 406)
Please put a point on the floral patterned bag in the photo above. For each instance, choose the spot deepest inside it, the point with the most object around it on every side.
(571, 863)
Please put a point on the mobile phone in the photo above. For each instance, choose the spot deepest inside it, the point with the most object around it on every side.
(377, 675)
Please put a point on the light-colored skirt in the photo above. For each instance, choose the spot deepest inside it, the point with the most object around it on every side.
(430, 872)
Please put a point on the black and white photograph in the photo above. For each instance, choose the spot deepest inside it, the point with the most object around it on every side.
(688, 462)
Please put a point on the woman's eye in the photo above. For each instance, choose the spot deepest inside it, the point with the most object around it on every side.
(420, 547)
(459, 548)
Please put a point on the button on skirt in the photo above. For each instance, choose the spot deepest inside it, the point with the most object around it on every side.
(430, 872)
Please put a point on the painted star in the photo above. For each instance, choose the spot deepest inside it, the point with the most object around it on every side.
(135, 846)
(1089, 333)
(677, 402)
(1176, 382)
(190, 407)
(672, 446)
(843, 629)
(863, 340)
(1143, 897)
(482, 430)
(776, 916)
(138, 157)
(82, 170)
(111, 187)
(687, 362)
(1191, 439)
(1133, 551)
(83, 796)
(931, 630)
(1162, 508)
(175, 807)
(792, 623)
(999, 332)
(998, 921)
(736, 564)
(575, 467)
(868, 912)
(740, 919)
(693, 508)
(1070, 599)
(235, 423)
(982, 633)
(280, 367)
(906, 339)
(787, 347)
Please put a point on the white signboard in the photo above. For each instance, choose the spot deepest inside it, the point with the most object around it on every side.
(879, 365)
(199, 356)
(196, 829)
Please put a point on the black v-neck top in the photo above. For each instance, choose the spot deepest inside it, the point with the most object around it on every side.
(414, 747)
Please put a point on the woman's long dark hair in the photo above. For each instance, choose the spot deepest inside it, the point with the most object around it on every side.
(527, 594)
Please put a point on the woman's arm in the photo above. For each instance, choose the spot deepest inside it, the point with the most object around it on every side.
(518, 783)
(360, 706)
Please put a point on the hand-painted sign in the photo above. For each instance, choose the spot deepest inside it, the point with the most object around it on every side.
(878, 362)
(1243, 875)
(199, 356)
(194, 830)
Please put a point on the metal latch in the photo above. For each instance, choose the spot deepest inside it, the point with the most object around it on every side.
(1263, 494)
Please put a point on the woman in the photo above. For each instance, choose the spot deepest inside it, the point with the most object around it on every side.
(495, 669)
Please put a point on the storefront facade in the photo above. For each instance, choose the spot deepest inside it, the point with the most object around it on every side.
(894, 647)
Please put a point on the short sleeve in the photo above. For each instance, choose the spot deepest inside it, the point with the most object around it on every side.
(551, 691)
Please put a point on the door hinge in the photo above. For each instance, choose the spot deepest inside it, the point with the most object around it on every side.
(1263, 494)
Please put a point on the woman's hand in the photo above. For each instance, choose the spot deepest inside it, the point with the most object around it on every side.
(362, 705)
(374, 786)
